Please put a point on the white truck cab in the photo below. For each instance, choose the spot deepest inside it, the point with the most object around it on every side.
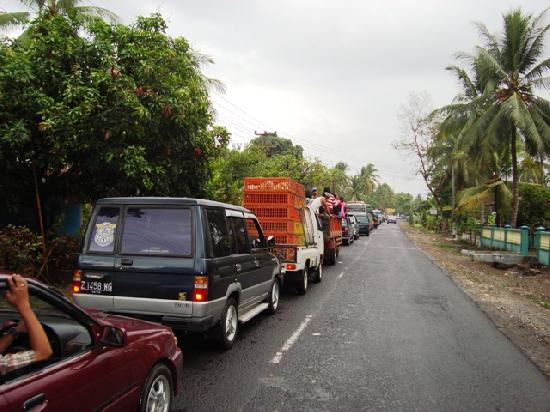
(304, 263)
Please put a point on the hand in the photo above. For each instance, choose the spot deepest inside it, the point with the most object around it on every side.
(21, 328)
(18, 293)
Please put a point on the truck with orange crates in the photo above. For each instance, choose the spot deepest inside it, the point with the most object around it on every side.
(279, 205)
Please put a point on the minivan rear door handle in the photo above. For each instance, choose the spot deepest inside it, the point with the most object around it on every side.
(126, 262)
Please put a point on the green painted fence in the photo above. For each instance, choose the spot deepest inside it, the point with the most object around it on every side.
(542, 245)
(506, 238)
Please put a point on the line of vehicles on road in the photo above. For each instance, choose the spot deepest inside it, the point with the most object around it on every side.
(189, 265)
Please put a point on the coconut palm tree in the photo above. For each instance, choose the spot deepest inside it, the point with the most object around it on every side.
(52, 7)
(356, 188)
(369, 174)
(510, 112)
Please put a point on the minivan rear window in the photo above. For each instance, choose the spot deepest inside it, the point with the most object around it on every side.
(157, 231)
(102, 238)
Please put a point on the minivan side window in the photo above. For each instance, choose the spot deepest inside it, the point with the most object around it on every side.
(238, 233)
(102, 238)
(157, 231)
(219, 238)
(256, 238)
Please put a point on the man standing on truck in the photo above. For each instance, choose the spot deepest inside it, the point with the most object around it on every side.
(318, 203)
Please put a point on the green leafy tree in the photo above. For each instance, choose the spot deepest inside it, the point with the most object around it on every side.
(96, 110)
(534, 205)
(403, 203)
(383, 197)
(274, 145)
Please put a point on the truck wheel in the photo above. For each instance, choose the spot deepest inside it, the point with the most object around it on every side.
(331, 258)
(228, 326)
(319, 272)
(274, 294)
(301, 285)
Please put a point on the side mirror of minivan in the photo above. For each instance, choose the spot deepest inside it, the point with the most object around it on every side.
(113, 336)
(271, 241)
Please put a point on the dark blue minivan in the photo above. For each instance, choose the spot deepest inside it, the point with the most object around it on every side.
(193, 264)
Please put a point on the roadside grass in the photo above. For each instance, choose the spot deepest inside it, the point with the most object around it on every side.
(448, 246)
(539, 300)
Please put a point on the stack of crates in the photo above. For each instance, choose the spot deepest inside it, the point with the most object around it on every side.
(278, 203)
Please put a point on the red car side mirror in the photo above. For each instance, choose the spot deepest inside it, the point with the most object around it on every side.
(113, 336)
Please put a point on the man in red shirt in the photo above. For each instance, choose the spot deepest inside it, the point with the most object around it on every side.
(17, 295)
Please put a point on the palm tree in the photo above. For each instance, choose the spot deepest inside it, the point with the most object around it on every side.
(356, 188)
(510, 112)
(370, 177)
(53, 7)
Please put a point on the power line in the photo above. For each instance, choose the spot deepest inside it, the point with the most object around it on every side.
(317, 147)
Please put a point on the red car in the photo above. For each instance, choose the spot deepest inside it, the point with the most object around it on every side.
(100, 362)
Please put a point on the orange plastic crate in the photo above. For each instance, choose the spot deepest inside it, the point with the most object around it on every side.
(273, 184)
(285, 226)
(273, 199)
(285, 254)
(289, 212)
(288, 238)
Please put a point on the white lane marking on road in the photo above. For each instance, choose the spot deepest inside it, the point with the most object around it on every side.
(290, 341)
(340, 275)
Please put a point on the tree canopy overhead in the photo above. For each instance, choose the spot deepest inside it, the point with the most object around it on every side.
(96, 110)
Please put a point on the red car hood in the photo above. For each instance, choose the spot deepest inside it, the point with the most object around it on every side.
(134, 328)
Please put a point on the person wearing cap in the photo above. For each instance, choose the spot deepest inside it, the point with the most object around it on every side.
(313, 192)
(318, 203)
(17, 295)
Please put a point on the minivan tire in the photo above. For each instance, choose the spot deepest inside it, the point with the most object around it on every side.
(227, 332)
(158, 387)
(301, 285)
(275, 291)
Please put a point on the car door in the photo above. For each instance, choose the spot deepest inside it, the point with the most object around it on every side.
(245, 263)
(81, 375)
(264, 261)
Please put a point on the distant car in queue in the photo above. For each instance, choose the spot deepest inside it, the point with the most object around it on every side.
(348, 231)
(364, 223)
(391, 219)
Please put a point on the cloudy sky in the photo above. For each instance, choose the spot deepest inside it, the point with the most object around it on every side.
(330, 75)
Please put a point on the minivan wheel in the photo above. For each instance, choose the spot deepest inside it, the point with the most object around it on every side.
(229, 324)
(158, 394)
(319, 273)
(301, 285)
(274, 294)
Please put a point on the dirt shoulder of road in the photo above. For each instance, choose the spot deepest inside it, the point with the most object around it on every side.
(516, 299)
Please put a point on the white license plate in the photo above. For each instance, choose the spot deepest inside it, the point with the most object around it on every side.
(96, 287)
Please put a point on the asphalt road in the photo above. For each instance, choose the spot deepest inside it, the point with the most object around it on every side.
(385, 330)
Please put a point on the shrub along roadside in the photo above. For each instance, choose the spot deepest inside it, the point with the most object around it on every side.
(21, 251)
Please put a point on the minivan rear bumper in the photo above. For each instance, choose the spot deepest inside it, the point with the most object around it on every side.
(193, 325)
(192, 316)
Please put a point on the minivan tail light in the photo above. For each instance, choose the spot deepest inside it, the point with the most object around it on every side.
(77, 274)
(200, 289)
